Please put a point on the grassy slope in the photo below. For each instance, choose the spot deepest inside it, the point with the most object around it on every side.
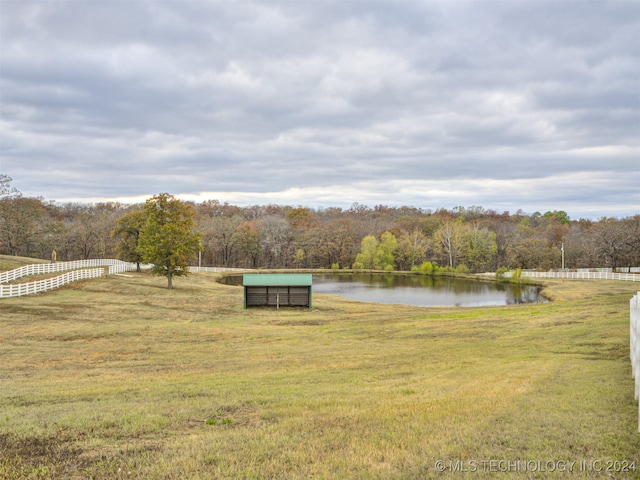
(121, 378)
(9, 262)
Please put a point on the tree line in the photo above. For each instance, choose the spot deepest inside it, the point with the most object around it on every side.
(470, 239)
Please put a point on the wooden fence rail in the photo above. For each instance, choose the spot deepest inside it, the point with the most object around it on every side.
(80, 270)
(634, 307)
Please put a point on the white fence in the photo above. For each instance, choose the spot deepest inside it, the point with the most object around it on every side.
(630, 277)
(22, 289)
(628, 269)
(216, 269)
(81, 269)
(634, 307)
(44, 268)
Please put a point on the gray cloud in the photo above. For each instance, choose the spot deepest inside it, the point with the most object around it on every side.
(507, 105)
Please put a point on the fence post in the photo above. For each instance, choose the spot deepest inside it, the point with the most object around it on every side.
(634, 333)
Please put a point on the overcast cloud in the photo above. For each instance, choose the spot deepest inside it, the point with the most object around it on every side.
(509, 105)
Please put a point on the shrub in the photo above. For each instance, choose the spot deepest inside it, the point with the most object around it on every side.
(437, 270)
(500, 272)
(426, 268)
(462, 268)
(516, 275)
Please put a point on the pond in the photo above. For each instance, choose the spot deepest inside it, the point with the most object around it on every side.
(420, 290)
(425, 291)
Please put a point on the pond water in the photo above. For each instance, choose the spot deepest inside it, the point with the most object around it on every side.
(426, 291)
(420, 290)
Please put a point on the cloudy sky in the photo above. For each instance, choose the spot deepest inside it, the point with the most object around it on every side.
(508, 105)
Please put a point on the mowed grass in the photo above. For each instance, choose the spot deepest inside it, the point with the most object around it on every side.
(120, 377)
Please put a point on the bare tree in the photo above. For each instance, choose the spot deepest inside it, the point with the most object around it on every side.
(6, 190)
(274, 232)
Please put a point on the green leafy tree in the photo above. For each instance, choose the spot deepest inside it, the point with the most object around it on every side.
(128, 228)
(298, 257)
(168, 239)
(480, 246)
(365, 259)
(376, 254)
(558, 216)
(384, 258)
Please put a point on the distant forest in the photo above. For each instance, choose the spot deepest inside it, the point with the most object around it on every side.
(470, 239)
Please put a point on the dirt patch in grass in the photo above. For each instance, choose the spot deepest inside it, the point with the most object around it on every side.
(38, 457)
(301, 323)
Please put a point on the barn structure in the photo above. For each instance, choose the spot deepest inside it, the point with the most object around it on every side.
(277, 289)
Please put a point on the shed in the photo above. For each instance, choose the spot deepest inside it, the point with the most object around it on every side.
(277, 289)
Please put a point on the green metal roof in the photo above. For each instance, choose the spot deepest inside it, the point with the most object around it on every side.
(276, 279)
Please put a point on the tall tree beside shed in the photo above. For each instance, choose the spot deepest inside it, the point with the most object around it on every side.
(168, 239)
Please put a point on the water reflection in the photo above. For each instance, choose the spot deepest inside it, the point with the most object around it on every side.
(424, 290)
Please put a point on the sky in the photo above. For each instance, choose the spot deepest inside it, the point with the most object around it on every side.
(508, 105)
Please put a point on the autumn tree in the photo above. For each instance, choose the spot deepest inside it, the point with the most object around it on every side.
(168, 238)
(89, 235)
(301, 218)
(480, 247)
(128, 228)
(614, 239)
(218, 238)
(246, 239)
(308, 247)
(412, 249)
(529, 250)
(339, 242)
(21, 224)
(632, 224)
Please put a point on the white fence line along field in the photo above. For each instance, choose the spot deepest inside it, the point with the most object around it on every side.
(581, 275)
(29, 288)
(80, 270)
(634, 307)
(44, 268)
(216, 269)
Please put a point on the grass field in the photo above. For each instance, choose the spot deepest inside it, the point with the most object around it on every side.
(122, 378)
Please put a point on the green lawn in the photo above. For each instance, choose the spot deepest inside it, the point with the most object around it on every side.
(120, 377)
